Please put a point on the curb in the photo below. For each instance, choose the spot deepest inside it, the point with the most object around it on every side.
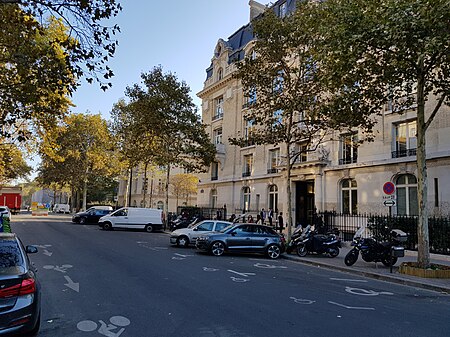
(387, 278)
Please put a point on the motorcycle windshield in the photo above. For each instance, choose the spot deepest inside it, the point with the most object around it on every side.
(359, 233)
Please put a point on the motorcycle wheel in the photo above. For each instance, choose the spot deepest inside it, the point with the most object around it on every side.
(387, 260)
(301, 250)
(351, 258)
(333, 252)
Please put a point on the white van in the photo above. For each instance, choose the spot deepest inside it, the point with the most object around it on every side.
(133, 218)
(61, 208)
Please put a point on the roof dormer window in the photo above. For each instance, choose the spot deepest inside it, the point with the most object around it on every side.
(219, 74)
(283, 10)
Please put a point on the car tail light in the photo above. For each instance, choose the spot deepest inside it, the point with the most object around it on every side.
(10, 291)
(28, 286)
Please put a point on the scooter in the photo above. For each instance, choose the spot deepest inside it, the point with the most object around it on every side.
(310, 242)
(386, 252)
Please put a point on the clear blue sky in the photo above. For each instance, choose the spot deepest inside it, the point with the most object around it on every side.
(179, 35)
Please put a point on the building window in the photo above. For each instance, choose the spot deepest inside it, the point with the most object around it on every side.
(248, 165)
(273, 198)
(250, 98)
(248, 130)
(246, 199)
(407, 195)
(215, 171)
(349, 196)
(218, 111)
(219, 74)
(274, 161)
(213, 201)
(278, 82)
(405, 140)
(217, 135)
(283, 9)
(301, 150)
(160, 205)
(348, 149)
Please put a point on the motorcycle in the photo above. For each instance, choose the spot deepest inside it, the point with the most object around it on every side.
(372, 250)
(309, 242)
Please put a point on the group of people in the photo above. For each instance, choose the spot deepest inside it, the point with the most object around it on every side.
(261, 219)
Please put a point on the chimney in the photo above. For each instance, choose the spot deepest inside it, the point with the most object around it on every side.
(255, 9)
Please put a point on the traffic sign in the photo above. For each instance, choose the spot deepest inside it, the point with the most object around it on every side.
(388, 188)
(389, 203)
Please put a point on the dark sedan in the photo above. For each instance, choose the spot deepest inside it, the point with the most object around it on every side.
(244, 238)
(90, 216)
(20, 302)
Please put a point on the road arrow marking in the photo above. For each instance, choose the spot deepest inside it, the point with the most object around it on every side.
(349, 307)
(72, 285)
(241, 274)
(46, 252)
(365, 292)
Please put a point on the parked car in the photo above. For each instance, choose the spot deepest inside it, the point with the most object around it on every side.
(5, 211)
(247, 238)
(133, 218)
(20, 292)
(92, 215)
(184, 236)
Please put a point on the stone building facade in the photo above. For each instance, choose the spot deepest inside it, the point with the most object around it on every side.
(340, 176)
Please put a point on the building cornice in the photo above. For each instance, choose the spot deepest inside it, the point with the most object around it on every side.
(214, 87)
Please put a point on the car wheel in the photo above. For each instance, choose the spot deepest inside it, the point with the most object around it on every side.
(107, 226)
(333, 252)
(273, 251)
(82, 220)
(183, 241)
(217, 248)
(149, 228)
(301, 250)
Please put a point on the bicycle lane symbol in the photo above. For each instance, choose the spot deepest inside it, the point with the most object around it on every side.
(117, 322)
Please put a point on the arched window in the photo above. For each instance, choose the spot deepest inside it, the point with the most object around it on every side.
(213, 198)
(219, 74)
(160, 205)
(407, 195)
(246, 198)
(349, 194)
(273, 198)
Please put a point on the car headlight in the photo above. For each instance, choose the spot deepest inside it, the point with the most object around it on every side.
(202, 238)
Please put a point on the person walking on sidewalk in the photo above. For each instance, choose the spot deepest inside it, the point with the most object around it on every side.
(280, 222)
(270, 216)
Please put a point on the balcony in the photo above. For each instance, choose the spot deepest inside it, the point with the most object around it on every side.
(220, 148)
(345, 161)
(217, 116)
(246, 174)
(404, 153)
(272, 170)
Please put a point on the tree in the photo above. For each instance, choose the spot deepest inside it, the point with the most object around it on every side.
(396, 50)
(160, 125)
(286, 101)
(184, 184)
(77, 152)
(35, 80)
(12, 164)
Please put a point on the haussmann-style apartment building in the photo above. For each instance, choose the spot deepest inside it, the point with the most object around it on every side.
(340, 176)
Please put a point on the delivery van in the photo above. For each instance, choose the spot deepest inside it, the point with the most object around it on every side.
(149, 219)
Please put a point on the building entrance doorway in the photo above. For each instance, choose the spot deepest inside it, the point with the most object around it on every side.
(304, 202)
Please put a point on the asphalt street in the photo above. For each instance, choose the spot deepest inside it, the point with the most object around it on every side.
(133, 284)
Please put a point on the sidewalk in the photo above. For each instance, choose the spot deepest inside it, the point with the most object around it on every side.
(378, 270)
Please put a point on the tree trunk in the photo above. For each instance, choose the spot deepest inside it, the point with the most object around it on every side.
(84, 194)
(145, 185)
(167, 195)
(423, 250)
(289, 193)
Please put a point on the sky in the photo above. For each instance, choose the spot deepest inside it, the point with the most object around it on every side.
(179, 35)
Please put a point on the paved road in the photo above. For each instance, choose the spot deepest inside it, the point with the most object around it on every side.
(133, 284)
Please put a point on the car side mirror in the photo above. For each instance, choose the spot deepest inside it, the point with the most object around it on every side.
(31, 249)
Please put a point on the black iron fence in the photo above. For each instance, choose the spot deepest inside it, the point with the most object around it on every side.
(380, 226)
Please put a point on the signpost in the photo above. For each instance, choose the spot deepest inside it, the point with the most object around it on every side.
(389, 197)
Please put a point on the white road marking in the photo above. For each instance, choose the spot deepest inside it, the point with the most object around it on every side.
(365, 292)
(181, 255)
(209, 269)
(346, 280)
(72, 285)
(61, 269)
(241, 274)
(46, 252)
(302, 301)
(177, 258)
(349, 307)
(237, 279)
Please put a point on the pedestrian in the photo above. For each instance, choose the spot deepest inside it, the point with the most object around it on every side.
(263, 215)
(280, 222)
(250, 219)
(259, 219)
(270, 217)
